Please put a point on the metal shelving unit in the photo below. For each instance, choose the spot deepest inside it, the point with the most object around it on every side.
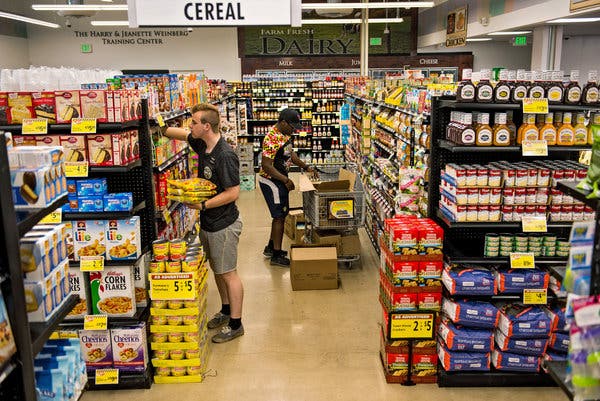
(104, 215)
(454, 148)
(40, 332)
(27, 219)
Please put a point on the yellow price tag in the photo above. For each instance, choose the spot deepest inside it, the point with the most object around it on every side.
(107, 376)
(91, 263)
(411, 325)
(54, 336)
(35, 126)
(522, 260)
(83, 126)
(535, 296)
(53, 218)
(165, 286)
(442, 87)
(534, 224)
(535, 148)
(535, 106)
(95, 322)
(159, 120)
(167, 216)
(76, 169)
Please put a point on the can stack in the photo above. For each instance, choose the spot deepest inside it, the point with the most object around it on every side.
(545, 245)
(179, 339)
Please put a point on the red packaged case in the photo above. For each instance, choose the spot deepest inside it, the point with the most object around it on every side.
(44, 106)
(20, 107)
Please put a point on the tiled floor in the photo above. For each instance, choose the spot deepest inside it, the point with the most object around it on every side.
(313, 345)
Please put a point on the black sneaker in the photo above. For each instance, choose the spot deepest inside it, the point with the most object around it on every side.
(268, 252)
(279, 259)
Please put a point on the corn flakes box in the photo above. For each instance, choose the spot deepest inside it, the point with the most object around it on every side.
(89, 238)
(113, 292)
(123, 239)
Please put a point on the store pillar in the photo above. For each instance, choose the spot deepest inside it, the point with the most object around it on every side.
(547, 48)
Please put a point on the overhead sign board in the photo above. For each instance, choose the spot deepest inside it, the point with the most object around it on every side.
(456, 27)
(209, 13)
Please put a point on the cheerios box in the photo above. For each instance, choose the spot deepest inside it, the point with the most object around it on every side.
(113, 291)
(123, 239)
(89, 238)
(96, 348)
(129, 348)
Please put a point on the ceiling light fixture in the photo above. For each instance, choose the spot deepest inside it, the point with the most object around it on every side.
(110, 23)
(350, 21)
(79, 7)
(479, 39)
(573, 20)
(17, 17)
(508, 33)
(395, 4)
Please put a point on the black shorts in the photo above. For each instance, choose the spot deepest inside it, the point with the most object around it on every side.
(277, 196)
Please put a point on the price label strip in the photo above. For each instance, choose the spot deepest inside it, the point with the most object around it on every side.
(35, 126)
(95, 322)
(535, 224)
(83, 126)
(522, 260)
(76, 169)
(535, 148)
(53, 218)
(535, 296)
(167, 286)
(91, 263)
(411, 325)
(535, 106)
(107, 376)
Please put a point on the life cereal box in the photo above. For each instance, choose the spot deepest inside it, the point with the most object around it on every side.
(123, 239)
(88, 238)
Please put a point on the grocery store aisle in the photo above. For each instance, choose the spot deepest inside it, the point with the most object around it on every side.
(315, 345)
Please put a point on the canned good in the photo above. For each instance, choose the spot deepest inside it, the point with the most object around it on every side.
(531, 195)
(461, 213)
(521, 239)
(570, 174)
(522, 178)
(549, 239)
(175, 304)
(192, 353)
(510, 177)
(157, 267)
(535, 240)
(507, 213)
(175, 337)
(520, 196)
(549, 251)
(194, 370)
(190, 265)
(472, 213)
(506, 237)
(483, 213)
(555, 213)
(521, 248)
(158, 304)
(190, 304)
(562, 254)
(543, 178)
(495, 196)
(541, 197)
(484, 196)
(177, 354)
(509, 196)
(471, 179)
(173, 267)
(462, 196)
(161, 354)
(492, 252)
(557, 196)
(505, 252)
(159, 337)
(494, 177)
(537, 252)
(563, 243)
(567, 199)
(175, 320)
(177, 249)
(162, 371)
(472, 196)
(160, 250)
(541, 211)
(492, 239)
(566, 213)
(495, 213)
(482, 176)
(178, 371)
(534, 248)
(578, 212)
(159, 320)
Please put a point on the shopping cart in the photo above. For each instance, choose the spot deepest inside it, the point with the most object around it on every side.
(342, 211)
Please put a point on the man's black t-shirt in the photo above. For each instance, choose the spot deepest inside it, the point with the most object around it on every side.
(222, 168)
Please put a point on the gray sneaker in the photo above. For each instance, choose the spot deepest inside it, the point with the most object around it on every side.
(218, 320)
(227, 334)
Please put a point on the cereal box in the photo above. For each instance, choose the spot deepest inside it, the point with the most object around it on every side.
(140, 277)
(130, 352)
(68, 106)
(89, 238)
(93, 104)
(77, 285)
(112, 291)
(96, 348)
(123, 239)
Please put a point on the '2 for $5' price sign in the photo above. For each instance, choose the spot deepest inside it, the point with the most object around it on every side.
(167, 286)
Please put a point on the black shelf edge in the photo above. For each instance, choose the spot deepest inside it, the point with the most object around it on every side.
(558, 372)
(495, 225)
(454, 148)
(493, 378)
(40, 332)
(115, 169)
(168, 116)
(27, 219)
(453, 104)
(71, 216)
(127, 380)
(570, 188)
(141, 314)
(503, 260)
(165, 166)
(67, 127)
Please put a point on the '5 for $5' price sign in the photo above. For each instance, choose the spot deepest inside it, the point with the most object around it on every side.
(167, 286)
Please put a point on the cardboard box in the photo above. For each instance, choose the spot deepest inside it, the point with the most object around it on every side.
(295, 225)
(350, 245)
(68, 106)
(327, 237)
(93, 104)
(314, 268)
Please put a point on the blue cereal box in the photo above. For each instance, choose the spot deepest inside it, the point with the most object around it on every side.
(91, 204)
(119, 202)
(91, 187)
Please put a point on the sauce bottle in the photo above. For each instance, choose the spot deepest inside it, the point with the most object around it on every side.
(484, 135)
(536, 90)
(594, 120)
(502, 89)
(572, 89)
(589, 94)
(558, 119)
(501, 132)
(466, 90)
(467, 134)
(580, 130)
(548, 131)
(520, 89)
(528, 131)
(565, 134)
(555, 90)
(484, 93)
(512, 127)
(540, 121)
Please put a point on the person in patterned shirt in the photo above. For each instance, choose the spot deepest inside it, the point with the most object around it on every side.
(277, 156)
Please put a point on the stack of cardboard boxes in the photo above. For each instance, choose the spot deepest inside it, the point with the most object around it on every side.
(246, 156)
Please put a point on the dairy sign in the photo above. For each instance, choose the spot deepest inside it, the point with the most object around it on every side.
(209, 13)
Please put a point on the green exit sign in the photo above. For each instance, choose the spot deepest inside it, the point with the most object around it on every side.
(86, 48)
(520, 41)
(375, 41)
